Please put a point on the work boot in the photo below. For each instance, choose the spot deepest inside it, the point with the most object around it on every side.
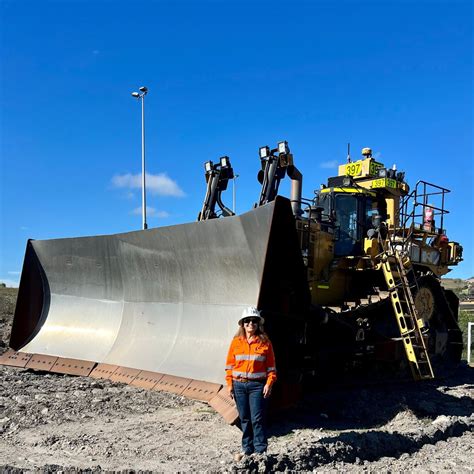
(239, 456)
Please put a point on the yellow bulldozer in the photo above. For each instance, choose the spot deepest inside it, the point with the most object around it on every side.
(348, 281)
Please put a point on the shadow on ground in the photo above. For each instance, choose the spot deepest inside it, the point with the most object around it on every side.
(366, 407)
(373, 422)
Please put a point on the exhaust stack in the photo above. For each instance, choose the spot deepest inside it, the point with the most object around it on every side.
(296, 190)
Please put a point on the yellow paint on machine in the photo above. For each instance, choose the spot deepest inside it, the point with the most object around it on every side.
(347, 190)
(360, 168)
(384, 183)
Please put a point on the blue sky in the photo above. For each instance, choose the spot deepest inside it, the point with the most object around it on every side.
(225, 77)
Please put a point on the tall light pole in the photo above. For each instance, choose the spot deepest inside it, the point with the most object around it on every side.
(141, 96)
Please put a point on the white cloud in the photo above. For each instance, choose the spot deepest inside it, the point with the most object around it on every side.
(156, 184)
(329, 164)
(151, 212)
(377, 155)
(23, 227)
(13, 273)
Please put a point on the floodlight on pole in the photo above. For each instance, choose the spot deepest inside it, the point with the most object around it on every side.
(144, 91)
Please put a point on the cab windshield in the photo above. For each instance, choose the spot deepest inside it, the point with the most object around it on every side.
(352, 215)
(346, 206)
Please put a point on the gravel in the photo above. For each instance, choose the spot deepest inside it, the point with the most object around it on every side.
(51, 422)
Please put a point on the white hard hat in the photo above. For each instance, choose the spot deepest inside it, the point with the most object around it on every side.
(251, 312)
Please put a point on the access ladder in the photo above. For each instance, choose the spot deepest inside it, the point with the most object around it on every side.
(396, 270)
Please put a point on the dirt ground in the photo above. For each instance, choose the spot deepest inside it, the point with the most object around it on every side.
(51, 422)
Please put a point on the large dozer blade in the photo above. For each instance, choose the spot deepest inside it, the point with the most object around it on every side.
(164, 300)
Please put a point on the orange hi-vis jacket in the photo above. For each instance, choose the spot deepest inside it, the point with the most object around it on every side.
(252, 360)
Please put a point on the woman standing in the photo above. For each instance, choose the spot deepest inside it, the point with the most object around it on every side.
(250, 375)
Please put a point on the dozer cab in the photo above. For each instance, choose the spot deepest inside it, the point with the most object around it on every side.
(347, 280)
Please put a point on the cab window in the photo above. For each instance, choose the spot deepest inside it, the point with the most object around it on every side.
(324, 201)
(346, 223)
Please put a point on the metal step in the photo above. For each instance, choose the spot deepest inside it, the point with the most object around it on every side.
(395, 274)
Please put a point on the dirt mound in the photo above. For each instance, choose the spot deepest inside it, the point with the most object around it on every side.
(7, 309)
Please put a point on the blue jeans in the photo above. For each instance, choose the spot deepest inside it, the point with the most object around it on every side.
(251, 407)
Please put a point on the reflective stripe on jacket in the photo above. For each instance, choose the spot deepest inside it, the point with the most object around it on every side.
(250, 360)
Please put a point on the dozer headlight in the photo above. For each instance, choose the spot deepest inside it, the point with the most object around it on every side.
(347, 181)
(283, 148)
(400, 176)
(264, 152)
(208, 166)
(224, 161)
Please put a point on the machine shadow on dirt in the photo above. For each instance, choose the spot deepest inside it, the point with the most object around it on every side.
(370, 406)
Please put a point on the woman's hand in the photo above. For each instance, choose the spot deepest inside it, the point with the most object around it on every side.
(230, 391)
(267, 391)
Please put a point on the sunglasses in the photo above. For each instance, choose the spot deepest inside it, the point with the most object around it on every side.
(251, 320)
